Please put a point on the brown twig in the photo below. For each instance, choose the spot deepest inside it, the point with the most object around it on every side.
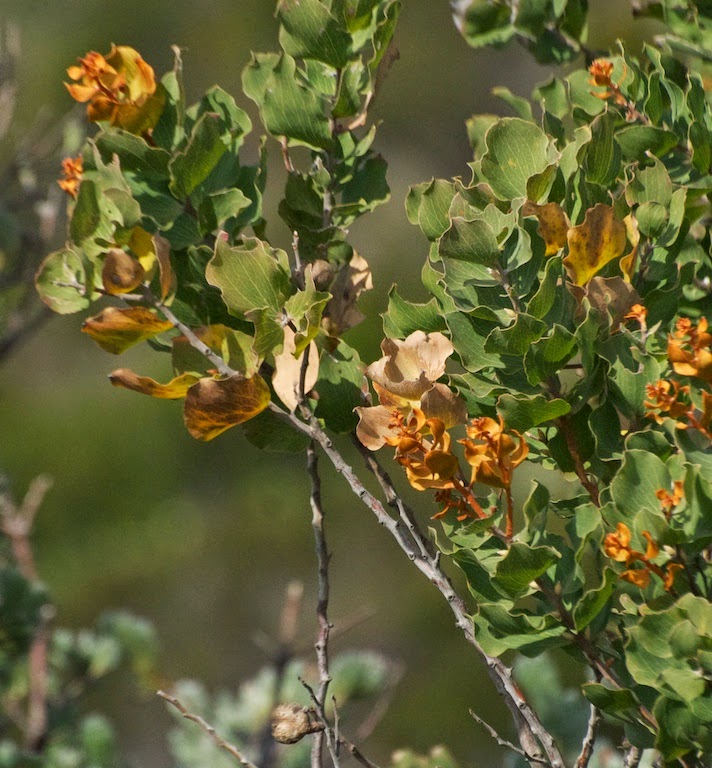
(632, 757)
(331, 743)
(589, 739)
(209, 730)
(591, 488)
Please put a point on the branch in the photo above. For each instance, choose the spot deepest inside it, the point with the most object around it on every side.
(326, 727)
(530, 729)
(322, 554)
(632, 757)
(219, 741)
(499, 739)
(589, 739)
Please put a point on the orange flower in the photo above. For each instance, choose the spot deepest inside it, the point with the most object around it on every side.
(495, 453)
(637, 312)
(601, 71)
(617, 547)
(668, 501)
(72, 167)
(120, 88)
(662, 399)
(689, 349)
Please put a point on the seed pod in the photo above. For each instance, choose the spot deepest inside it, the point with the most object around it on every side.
(290, 723)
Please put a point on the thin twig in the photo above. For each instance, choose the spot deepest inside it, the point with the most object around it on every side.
(322, 553)
(589, 740)
(331, 744)
(219, 741)
(499, 739)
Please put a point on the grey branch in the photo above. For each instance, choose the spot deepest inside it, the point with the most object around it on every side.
(219, 741)
(531, 731)
(322, 643)
(499, 739)
(589, 739)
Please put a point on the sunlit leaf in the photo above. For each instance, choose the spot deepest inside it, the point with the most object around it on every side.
(600, 239)
(173, 390)
(115, 330)
(214, 405)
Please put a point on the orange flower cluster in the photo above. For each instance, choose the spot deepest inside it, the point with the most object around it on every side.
(120, 88)
(601, 71)
(664, 397)
(689, 349)
(617, 547)
(492, 452)
(72, 167)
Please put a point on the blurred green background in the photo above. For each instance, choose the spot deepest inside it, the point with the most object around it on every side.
(203, 539)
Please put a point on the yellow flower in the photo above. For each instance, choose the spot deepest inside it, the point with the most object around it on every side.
(120, 88)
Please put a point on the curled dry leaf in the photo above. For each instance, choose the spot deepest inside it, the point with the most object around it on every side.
(612, 297)
(121, 273)
(600, 239)
(351, 281)
(411, 367)
(174, 390)
(288, 371)
(115, 330)
(375, 426)
(442, 403)
(213, 406)
(553, 224)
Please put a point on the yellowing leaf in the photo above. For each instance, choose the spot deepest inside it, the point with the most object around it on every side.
(167, 275)
(600, 239)
(174, 390)
(142, 246)
(553, 224)
(115, 330)
(628, 262)
(121, 273)
(212, 406)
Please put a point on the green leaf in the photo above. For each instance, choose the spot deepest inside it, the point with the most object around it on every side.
(609, 700)
(500, 629)
(250, 276)
(523, 412)
(149, 163)
(595, 600)
(634, 486)
(637, 140)
(304, 309)
(339, 387)
(289, 107)
(471, 241)
(61, 282)
(217, 207)
(546, 356)
(602, 155)
(521, 565)
(516, 151)
(517, 338)
(403, 317)
(309, 31)
(468, 333)
(428, 206)
(194, 164)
